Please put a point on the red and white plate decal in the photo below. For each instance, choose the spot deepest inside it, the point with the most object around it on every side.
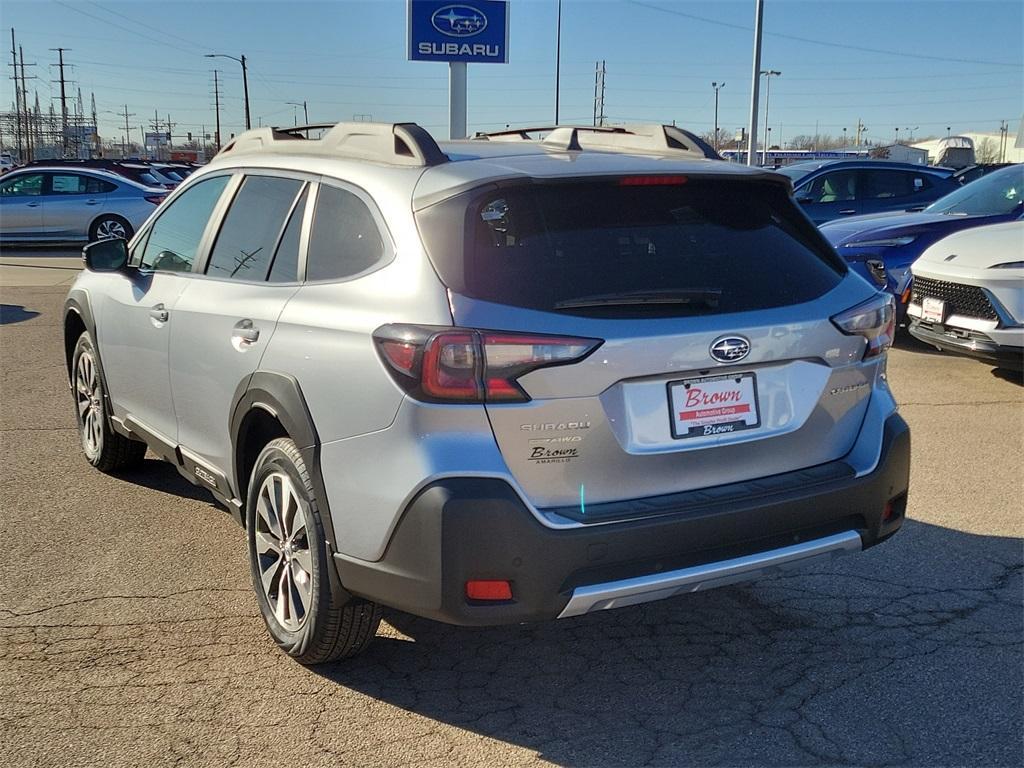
(713, 405)
(933, 310)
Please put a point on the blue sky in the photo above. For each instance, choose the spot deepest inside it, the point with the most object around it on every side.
(912, 65)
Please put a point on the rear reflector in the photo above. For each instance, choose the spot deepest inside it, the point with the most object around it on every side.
(488, 590)
(652, 181)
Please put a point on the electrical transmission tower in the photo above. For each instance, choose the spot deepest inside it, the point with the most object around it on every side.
(599, 75)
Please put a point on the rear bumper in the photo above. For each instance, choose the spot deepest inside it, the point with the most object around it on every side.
(976, 345)
(460, 529)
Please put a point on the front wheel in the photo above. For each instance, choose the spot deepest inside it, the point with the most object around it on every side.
(308, 613)
(103, 447)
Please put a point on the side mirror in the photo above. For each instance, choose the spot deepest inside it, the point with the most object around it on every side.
(106, 255)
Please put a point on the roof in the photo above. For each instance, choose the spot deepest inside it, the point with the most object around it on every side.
(404, 159)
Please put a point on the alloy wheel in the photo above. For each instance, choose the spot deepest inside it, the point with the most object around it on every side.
(90, 404)
(282, 551)
(108, 229)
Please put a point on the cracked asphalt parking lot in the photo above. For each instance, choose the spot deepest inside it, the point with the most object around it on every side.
(129, 634)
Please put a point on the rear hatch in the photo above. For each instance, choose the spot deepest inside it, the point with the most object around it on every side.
(708, 301)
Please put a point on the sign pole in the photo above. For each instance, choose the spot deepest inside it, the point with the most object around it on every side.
(456, 100)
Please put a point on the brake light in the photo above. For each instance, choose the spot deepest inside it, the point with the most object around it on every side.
(470, 366)
(155, 199)
(875, 320)
(652, 181)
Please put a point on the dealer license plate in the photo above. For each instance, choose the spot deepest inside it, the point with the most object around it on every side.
(933, 310)
(713, 405)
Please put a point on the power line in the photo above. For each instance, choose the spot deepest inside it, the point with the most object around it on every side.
(862, 49)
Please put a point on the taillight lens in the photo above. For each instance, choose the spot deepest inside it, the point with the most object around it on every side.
(155, 199)
(875, 320)
(470, 366)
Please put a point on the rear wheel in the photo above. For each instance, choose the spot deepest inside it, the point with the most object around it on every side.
(109, 227)
(103, 447)
(308, 613)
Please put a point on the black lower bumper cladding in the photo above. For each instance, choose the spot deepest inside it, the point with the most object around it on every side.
(463, 529)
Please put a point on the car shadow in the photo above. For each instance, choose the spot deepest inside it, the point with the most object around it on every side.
(159, 475)
(15, 313)
(1010, 375)
(885, 657)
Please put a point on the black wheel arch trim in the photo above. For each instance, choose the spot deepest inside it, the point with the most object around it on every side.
(280, 395)
(78, 303)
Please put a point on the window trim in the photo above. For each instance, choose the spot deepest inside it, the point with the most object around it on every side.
(387, 241)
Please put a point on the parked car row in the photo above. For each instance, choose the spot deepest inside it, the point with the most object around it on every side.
(956, 268)
(67, 203)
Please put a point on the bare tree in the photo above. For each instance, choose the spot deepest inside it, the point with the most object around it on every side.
(986, 151)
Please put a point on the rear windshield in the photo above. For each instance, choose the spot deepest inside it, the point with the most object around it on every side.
(612, 249)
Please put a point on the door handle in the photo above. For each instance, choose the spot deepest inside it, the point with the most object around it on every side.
(244, 333)
(33, 205)
(92, 202)
(159, 314)
(848, 211)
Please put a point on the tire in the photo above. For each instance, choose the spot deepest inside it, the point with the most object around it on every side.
(104, 448)
(307, 611)
(109, 226)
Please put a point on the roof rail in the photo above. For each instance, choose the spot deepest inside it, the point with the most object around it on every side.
(646, 138)
(391, 143)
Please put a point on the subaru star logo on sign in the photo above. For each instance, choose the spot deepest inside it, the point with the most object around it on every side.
(730, 349)
(473, 32)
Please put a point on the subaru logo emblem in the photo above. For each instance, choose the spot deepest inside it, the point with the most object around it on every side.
(459, 20)
(730, 349)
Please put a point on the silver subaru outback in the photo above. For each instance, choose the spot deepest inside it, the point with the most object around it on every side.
(492, 381)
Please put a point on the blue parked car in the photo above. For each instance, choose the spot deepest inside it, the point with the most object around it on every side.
(882, 247)
(853, 187)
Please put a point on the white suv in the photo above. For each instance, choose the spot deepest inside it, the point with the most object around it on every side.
(492, 381)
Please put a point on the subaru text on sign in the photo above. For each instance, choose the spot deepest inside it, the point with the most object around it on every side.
(474, 32)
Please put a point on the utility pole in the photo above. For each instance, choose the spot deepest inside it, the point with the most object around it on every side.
(755, 83)
(127, 138)
(18, 132)
(717, 86)
(599, 74)
(1003, 137)
(216, 106)
(63, 99)
(245, 88)
(24, 101)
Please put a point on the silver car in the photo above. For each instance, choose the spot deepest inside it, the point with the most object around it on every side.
(491, 382)
(66, 204)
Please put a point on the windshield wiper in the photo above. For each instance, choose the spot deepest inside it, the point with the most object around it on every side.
(706, 297)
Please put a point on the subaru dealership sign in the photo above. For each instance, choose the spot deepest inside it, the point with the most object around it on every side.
(474, 32)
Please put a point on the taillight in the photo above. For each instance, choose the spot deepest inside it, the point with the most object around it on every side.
(458, 365)
(155, 199)
(875, 320)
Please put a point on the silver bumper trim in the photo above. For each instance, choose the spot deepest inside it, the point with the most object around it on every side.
(616, 594)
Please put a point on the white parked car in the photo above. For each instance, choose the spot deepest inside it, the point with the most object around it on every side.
(968, 294)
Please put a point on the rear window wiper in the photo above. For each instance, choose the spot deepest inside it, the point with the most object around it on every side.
(700, 297)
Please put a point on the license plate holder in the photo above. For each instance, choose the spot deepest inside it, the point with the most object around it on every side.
(713, 405)
(933, 310)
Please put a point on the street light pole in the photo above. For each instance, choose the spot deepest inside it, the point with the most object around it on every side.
(245, 80)
(768, 74)
(558, 59)
(755, 83)
(717, 86)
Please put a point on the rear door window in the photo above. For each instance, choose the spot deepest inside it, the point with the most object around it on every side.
(252, 227)
(78, 184)
(345, 239)
(883, 185)
(693, 248)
